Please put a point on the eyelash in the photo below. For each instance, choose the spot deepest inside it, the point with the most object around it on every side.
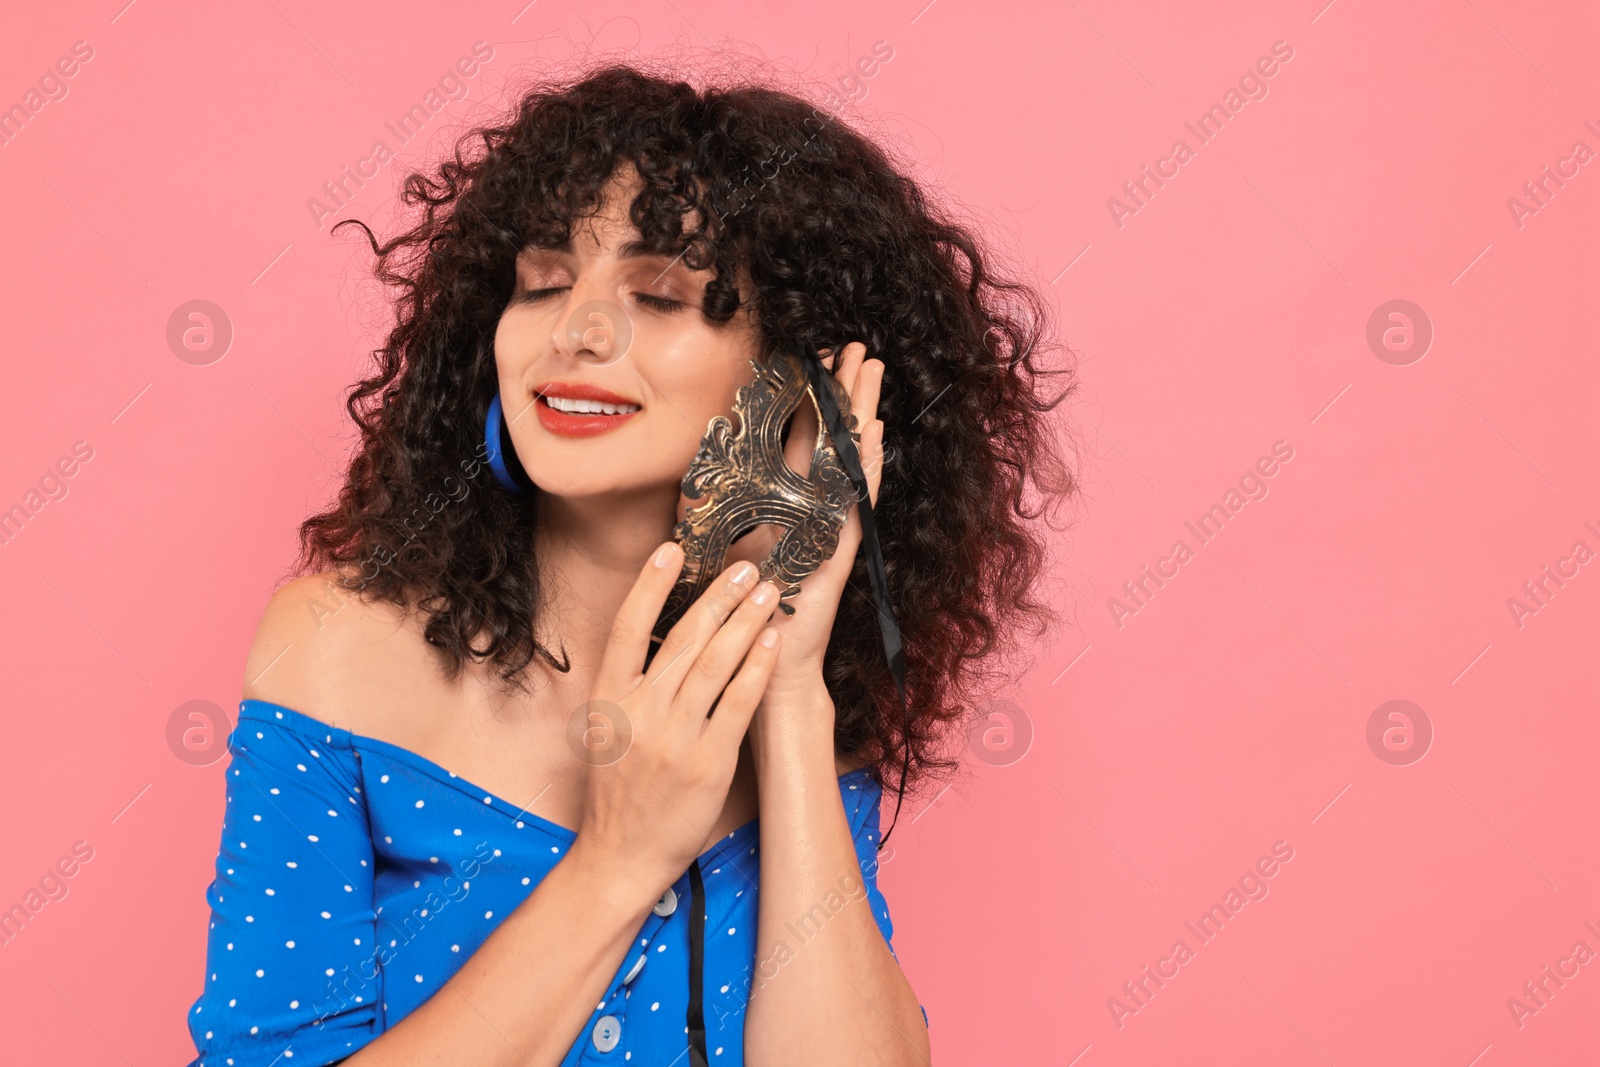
(657, 303)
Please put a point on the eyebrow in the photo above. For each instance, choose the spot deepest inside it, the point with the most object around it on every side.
(637, 249)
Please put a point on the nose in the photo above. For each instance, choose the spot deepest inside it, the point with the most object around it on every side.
(593, 328)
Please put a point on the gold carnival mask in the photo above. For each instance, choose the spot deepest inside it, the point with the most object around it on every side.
(741, 480)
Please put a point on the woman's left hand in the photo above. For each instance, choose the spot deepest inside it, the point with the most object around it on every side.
(805, 633)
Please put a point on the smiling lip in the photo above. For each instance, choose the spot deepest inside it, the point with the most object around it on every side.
(567, 424)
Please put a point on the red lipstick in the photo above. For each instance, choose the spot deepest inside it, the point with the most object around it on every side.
(579, 423)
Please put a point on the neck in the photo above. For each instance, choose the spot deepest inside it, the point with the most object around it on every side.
(591, 550)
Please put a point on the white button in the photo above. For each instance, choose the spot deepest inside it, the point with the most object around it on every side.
(607, 1032)
(667, 904)
(633, 972)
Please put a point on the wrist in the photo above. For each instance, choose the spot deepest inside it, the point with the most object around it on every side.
(803, 692)
(613, 883)
(793, 727)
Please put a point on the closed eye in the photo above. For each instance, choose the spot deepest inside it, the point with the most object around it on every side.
(657, 303)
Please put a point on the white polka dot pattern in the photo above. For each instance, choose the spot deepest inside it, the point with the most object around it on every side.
(321, 941)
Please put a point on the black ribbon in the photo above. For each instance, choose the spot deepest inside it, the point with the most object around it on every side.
(893, 650)
(697, 938)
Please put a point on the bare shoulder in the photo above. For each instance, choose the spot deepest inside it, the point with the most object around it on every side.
(324, 651)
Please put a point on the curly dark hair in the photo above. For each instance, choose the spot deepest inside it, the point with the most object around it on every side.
(839, 245)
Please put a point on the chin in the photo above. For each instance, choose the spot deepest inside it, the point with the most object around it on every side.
(616, 463)
(604, 480)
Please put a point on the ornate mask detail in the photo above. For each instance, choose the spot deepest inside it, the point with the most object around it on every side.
(742, 480)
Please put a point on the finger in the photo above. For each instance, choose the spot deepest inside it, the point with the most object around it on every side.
(851, 534)
(737, 706)
(699, 624)
(868, 388)
(864, 407)
(715, 664)
(847, 377)
(623, 659)
(854, 354)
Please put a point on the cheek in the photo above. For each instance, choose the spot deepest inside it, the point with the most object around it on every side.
(504, 347)
(698, 385)
(517, 343)
(684, 423)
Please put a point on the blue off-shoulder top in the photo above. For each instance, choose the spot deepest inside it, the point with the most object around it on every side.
(356, 876)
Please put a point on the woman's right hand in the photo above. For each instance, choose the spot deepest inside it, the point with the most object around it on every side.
(655, 794)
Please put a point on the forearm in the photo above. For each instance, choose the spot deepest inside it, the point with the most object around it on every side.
(524, 996)
(828, 991)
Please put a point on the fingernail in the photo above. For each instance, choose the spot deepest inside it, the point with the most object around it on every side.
(769, 638)
(745, 574)
(665, 553)
(764, 593)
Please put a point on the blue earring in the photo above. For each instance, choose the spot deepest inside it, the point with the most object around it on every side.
(502, 455)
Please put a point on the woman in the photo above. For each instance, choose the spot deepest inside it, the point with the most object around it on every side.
(469, 812)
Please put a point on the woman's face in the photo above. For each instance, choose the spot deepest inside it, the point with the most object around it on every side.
(599, 323)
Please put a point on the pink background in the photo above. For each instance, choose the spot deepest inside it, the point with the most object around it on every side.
(1168, 753)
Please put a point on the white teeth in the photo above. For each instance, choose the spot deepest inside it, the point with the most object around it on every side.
(588, 407)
